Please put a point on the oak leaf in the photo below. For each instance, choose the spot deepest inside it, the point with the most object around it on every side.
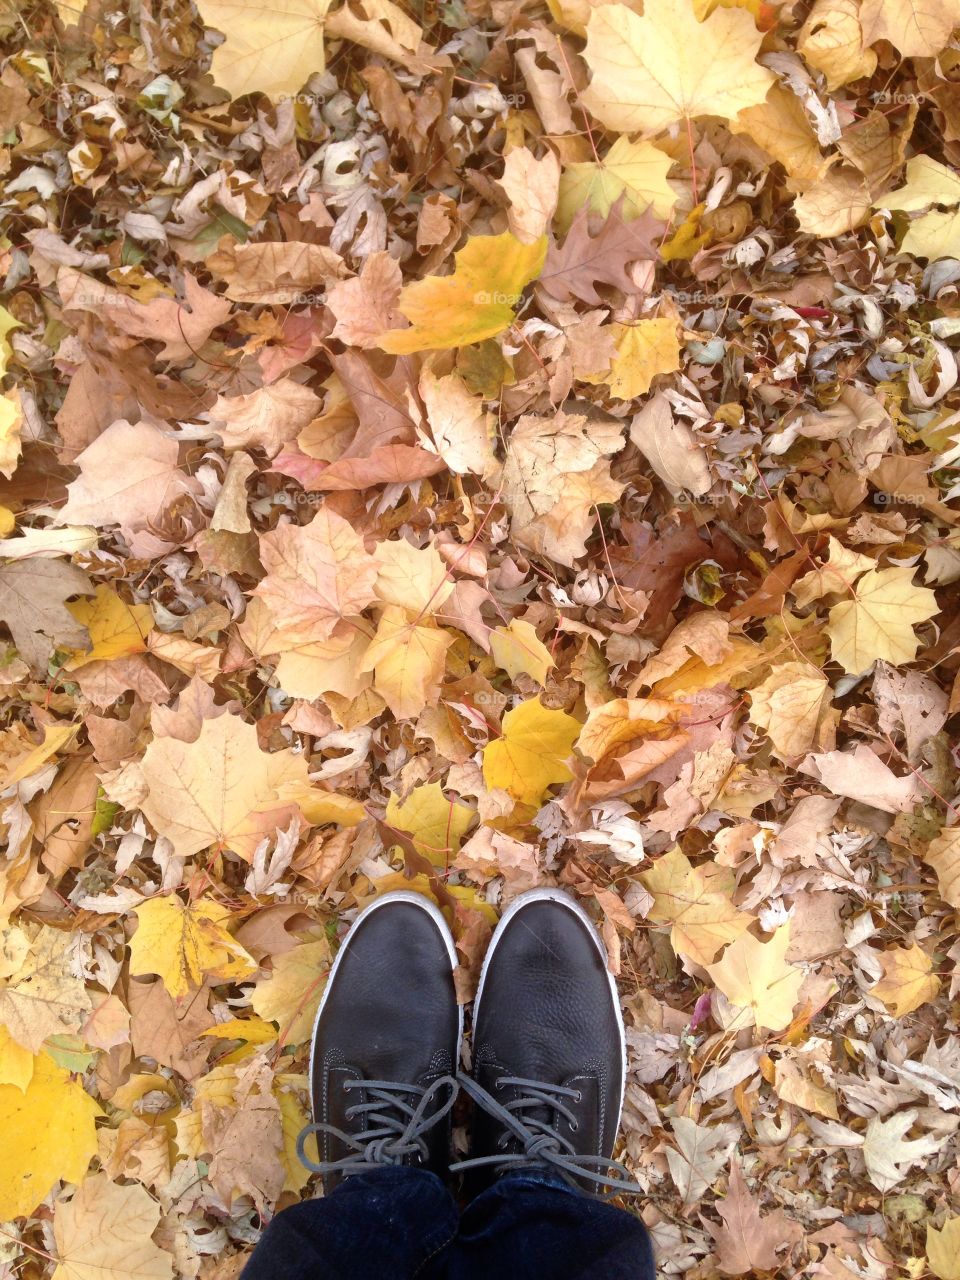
(584, 260)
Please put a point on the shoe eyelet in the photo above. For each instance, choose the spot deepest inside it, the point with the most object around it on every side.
(579, 1097)
(574, 1126)
(498, 1083)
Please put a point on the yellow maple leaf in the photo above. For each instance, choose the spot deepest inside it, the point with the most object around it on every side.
(697, 902)
(437, 824)
(290, 994)
(651, 72)
(908, 980)
(412, 578)
(643, 350)
(104, 1233)
(218, 790)
(11, 424)
(407, 661)
(835, 576)
(183, 943)
(789, 704)
(40, 992)
(831, 40)
(532, 752)
(478, 301)
(55, 738)
(7, 322)
(267, 50)
(936, 234)
(116, 628)
(16, 1062)
(915, 29)
(48, 1134)
(943, 854)
(517, 648)
(943, 1249)
(879, 621)
(755, 976)
(637, 171)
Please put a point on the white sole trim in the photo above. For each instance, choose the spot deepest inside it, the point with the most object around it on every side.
(564, 900)
(397, 895)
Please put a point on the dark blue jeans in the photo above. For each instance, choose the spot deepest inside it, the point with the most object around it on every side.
(398, 1223)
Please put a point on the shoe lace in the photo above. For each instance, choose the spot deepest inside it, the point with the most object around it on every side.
(395, 1119)
(539, 1141)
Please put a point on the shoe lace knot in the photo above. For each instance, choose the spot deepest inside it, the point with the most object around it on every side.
(395, 1119)
(530, 1118)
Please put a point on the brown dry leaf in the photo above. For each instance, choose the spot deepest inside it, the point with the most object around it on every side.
(268, 417)
(862, 775)
(671, 448)
(943, 854)
(750, 1241)
(555, 474)
(32, 604)
(317, 575)
(129, 476)
(367, 305)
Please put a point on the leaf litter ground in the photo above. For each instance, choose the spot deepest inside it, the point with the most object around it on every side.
(474, 447)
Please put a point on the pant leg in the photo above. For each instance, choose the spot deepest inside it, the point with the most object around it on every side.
(387, 1224)
(532, 1226)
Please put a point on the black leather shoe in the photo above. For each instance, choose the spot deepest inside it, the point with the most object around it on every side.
(549, 1051)
(386, 1044)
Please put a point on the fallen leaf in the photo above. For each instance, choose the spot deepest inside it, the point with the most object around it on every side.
(749, 1241)
(908, 980)
(104, 1233)
(943, 1249)
(49, 1134)
(755, 976)
(532, 751)
(478, 301)
(271, 53)
(184, 944)
(697, 902)
(889, 1155)
(650, 72)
